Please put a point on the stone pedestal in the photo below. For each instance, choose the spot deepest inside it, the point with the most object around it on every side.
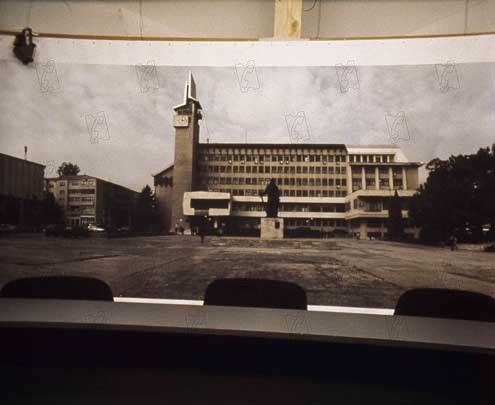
(272, 228)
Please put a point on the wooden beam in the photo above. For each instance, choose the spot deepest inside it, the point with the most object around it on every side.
(287, 21)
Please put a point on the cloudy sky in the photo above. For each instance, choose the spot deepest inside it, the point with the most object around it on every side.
(115, 122)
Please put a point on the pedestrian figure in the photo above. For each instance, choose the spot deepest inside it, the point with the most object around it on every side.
(176, 228)
(453, 243)
(201, 232)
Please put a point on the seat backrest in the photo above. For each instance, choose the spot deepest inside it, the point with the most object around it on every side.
(58, 287)
(446, 303)
(258, 293)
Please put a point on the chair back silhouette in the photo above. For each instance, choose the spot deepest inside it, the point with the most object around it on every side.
(258, 293)
(446, 303)
(58, 287)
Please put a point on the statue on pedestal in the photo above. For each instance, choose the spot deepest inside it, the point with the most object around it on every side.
(273, 201)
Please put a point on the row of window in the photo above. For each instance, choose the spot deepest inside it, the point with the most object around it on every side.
(357, 171)
(82, 199)
(376, 205)
(297, 207)
(74, 183)
(78, 191)
(315, 222)
(338, 182)
(272, 158)
(273, 169)
(81, 210)
(285, 193)
(82, 191)
(295, 158)
(384, 184)
(371, 158)
(291, 207)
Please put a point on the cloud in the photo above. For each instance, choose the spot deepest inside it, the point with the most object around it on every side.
(140, 140)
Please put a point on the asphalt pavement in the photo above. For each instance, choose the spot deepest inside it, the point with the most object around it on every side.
(340, 272)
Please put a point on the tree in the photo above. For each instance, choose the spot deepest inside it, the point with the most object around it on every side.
(145, 213)
(395, 221)
(68, 169)
(52, 212)
(457, 198)
(33, 212)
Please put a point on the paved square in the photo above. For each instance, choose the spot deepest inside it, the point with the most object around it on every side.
(333, 272)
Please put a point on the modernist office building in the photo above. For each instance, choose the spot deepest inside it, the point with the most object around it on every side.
(331, 188)
(89, 200)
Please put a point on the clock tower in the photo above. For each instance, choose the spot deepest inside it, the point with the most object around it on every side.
(186, 124)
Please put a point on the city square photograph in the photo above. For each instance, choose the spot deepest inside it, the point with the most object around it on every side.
(357, 183)
(247, 202)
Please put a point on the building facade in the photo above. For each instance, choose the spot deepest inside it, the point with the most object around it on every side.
(89, 200)
(21, 189)
(325, 188)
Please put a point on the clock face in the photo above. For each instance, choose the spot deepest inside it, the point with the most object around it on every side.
(181, 121)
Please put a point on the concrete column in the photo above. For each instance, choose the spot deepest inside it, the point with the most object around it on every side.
(404, 178)
(390, 178)
(363, 178)
(349, 179)
(377, 179)
(363, 232)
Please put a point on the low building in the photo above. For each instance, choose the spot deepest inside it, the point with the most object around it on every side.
(89, 200)
(21, 189)
(325, 188)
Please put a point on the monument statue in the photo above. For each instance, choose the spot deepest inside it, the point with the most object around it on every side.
(273, 194)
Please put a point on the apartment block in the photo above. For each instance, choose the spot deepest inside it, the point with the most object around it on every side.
(89, 200)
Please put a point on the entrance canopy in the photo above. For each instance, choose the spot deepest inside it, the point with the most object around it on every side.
(201, 203)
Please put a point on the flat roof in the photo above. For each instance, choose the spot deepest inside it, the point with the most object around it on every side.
(386, 164)
(22, 160)
(374, 146)
(276, 145)
(87, 176)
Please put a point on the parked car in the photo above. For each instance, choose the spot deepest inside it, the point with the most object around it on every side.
(75, 232)
(54, 230)
(95, 228)
(8, 228)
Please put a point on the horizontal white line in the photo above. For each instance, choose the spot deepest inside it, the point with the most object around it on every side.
(351, 310)
(317, 308)
(401, 51)
(158, 301)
